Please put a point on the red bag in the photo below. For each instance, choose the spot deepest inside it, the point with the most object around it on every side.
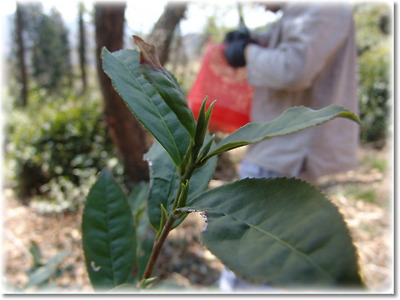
(219, 81)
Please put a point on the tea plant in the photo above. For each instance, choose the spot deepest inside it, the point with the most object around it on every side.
(279, 231)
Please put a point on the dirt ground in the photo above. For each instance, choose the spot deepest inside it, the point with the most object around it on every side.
(184, 260)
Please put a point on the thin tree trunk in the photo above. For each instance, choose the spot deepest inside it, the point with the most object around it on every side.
(82, 47)
(163, 31)
(21, 54)
(126, 132)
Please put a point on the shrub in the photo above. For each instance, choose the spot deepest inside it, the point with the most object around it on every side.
(374, 48)
(374, 93)
(54, 146)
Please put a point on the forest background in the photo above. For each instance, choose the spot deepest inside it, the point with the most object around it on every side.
(59, 131)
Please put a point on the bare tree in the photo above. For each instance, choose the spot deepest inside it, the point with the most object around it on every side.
(163, 31)
(21, 54)
(126, 132)
(82, 45)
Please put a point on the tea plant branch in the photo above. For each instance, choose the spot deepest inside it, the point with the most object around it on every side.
(158, 246)
(180, 201)
(189, 165)
(239, 231)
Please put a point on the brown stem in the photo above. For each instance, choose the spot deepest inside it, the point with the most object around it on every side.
(157, 247)
(174, 215)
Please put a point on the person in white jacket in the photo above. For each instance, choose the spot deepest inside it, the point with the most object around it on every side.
(307, 58)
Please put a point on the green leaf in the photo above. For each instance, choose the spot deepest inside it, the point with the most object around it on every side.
(278, 231)
(124, 288)
(144, 283)
(164, 182)
(144, 253)
(292, 120)
(36, 255)
(165, 84)
(201, 125)
(145, 103)
(163, 220)
(144, 244)
(108, 234)
(42, 274)
(203, 120)
(137, 198)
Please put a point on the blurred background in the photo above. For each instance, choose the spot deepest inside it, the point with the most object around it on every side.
(59, 132)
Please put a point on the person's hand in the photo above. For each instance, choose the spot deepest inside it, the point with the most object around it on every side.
(236, 43)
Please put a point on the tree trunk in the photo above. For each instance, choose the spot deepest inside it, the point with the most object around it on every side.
(21, 54)
(126, 132)
(82, 47)
(163, 31)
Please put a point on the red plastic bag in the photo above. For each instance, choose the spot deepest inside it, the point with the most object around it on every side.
(227, 85)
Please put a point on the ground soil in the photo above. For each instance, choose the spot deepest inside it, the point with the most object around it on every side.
(184, 261)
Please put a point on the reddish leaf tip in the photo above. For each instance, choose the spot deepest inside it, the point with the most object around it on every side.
(148, 53)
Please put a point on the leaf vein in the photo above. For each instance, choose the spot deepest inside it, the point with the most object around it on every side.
(286, 244)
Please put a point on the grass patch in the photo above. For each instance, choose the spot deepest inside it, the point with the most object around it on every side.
(365, 194)
(377, 163)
